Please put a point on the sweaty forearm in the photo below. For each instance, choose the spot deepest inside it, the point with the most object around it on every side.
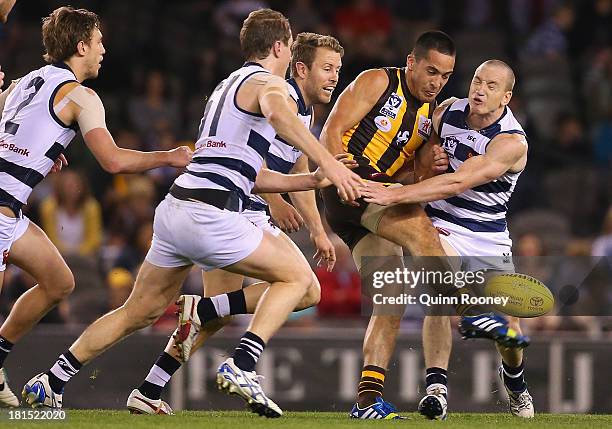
(133, 161)
(434, 189)
(269, 181)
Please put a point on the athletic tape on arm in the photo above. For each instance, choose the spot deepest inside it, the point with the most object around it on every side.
(92, 110)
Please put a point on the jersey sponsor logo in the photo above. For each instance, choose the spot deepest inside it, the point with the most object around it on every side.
(392, 106)
(13, 148)
(212, 143)
(424, 127)
(383, 123)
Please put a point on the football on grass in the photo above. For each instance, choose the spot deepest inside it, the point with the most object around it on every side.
(527, 297)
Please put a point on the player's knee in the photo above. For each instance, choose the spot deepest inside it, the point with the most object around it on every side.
(60, 286)
(301, 277)
(313, 294)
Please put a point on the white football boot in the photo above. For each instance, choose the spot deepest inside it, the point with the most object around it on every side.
(434, 404)
(7, 397)
(245, 384)
(521, 403)
(138, 403)
(38, 393)
(189, 325)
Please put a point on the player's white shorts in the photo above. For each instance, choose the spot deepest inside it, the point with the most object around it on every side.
(11, 230)
(186, 232)
(261, 219)
(476, 250)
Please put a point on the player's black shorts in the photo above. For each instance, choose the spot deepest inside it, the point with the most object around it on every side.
(345, 220)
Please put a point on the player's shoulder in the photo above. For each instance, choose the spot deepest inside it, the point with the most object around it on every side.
(76, 89)
(370, 84)
(378, 77)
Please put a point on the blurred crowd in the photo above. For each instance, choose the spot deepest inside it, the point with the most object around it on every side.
(164, 58)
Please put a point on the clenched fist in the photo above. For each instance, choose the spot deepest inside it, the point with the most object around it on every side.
(180, 157)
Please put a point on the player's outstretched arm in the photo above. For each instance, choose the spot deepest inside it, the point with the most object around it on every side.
(306, 203)
(503, 152)
(352, 106)
(270, 181)
(87, 110)
(273, 101)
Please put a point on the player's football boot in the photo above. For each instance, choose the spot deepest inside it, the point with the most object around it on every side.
(7, 397)
(38, 393)
(494, 327)
(138, 403)
(521, 403)
(188, 325)
(434, 404)
(246, 384)
(380, 409)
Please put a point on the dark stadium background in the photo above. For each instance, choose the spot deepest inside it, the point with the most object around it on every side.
(163, 59)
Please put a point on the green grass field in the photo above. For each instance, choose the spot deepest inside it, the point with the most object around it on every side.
(86, 419)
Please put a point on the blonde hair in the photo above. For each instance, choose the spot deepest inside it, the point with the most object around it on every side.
(304, 48)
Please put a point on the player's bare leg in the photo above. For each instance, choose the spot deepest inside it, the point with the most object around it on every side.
(146, 399)
(437, 344)
(227, 297)
(178, 350)
(373, 253)
(407, 226)
(35, 254)
(512, 375)
(154, 290)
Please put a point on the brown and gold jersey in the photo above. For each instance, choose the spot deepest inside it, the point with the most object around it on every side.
(393, 130)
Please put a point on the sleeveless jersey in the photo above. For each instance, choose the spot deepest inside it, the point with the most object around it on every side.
(282, 156)
(32, 137)
(232, 143)
(393, 130)
(481, 209)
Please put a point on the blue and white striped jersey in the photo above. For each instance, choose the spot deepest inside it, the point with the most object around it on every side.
(481, 209)
(232, 143)
(31, 136)
(282, 156)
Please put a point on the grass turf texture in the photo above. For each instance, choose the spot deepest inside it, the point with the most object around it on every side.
(86, 419)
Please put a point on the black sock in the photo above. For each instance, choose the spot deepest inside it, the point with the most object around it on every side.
(371, 385)
(248, 351)
(159, 375)
(221, 305)
(62, 371)
(514, 377)
(435, 376)
(5, 349)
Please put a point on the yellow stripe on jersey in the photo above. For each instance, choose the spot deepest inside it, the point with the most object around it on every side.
(393, 130)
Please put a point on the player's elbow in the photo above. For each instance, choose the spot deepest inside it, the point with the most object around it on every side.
(112, 166)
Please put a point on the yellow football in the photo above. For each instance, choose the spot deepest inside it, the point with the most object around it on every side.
(526, 296)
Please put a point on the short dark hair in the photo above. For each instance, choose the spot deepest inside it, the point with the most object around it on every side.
(304, 48)
(260, 30)
(63, 29)
(436, 40)
(510, 78)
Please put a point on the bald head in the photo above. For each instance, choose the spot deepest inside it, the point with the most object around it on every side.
(509, 78)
